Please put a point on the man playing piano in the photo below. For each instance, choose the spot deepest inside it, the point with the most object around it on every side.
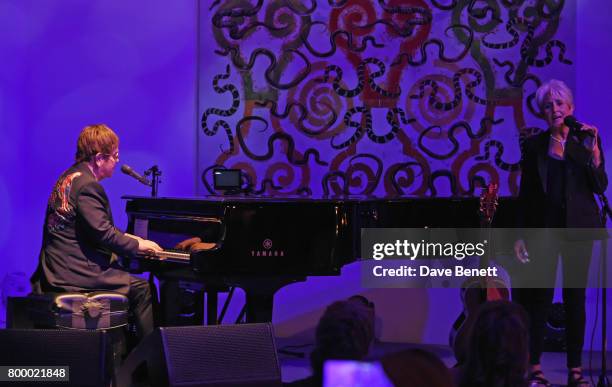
(80, 242)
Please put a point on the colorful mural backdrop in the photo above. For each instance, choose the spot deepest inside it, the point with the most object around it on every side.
(373, 97)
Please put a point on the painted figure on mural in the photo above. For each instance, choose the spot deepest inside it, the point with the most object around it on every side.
(562, 171)
(80, 242)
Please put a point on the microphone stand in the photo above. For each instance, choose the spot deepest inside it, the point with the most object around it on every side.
(605, 213)
(155, 173)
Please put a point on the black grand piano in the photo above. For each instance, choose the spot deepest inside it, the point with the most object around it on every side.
(263, 244)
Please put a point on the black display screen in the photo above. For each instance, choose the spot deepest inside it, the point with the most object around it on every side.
(227, 179)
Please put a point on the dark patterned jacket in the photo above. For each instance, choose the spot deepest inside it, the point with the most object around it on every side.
(80, 241)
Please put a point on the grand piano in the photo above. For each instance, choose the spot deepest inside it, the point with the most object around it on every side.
(263, 244)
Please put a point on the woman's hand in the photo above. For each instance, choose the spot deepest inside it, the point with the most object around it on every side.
(592, 130)
(520, 251)
(591, 142)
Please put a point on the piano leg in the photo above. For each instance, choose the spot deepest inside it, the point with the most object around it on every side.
(169, 305)
(198, 308)
(212, 300)
(260, 296)
(181, 303)
(259, 307)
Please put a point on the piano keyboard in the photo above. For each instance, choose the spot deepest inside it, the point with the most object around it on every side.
(172, 255)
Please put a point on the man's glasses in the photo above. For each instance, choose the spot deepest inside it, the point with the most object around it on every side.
(114, 156)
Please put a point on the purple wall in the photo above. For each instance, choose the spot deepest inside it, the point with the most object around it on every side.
(594, 61)
(68, 64)
(132, 65)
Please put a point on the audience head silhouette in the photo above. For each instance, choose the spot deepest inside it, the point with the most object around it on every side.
(345, 331)
(498, 350)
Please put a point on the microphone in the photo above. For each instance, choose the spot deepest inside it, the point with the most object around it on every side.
(130, 172)
(575, 126)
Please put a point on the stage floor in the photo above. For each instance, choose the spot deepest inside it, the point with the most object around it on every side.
(294, 368)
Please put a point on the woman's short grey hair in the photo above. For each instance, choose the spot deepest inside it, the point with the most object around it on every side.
(556, 89)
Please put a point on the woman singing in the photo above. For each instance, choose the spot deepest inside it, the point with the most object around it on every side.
(562, 170)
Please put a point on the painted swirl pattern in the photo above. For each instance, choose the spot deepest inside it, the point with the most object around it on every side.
(375, 97)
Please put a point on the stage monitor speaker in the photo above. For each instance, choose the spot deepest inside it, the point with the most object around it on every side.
(86, 353)
(206, 356)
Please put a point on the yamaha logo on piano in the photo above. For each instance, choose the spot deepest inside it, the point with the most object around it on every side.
(267, 251)
(267, 244)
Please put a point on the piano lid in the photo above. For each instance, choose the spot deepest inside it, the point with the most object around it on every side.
(297, 199)
(251, 199)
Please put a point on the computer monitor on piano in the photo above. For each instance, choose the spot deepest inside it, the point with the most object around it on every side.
(227, 180)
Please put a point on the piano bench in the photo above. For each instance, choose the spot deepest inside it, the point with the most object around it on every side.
(96, 310)
(71, 310)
